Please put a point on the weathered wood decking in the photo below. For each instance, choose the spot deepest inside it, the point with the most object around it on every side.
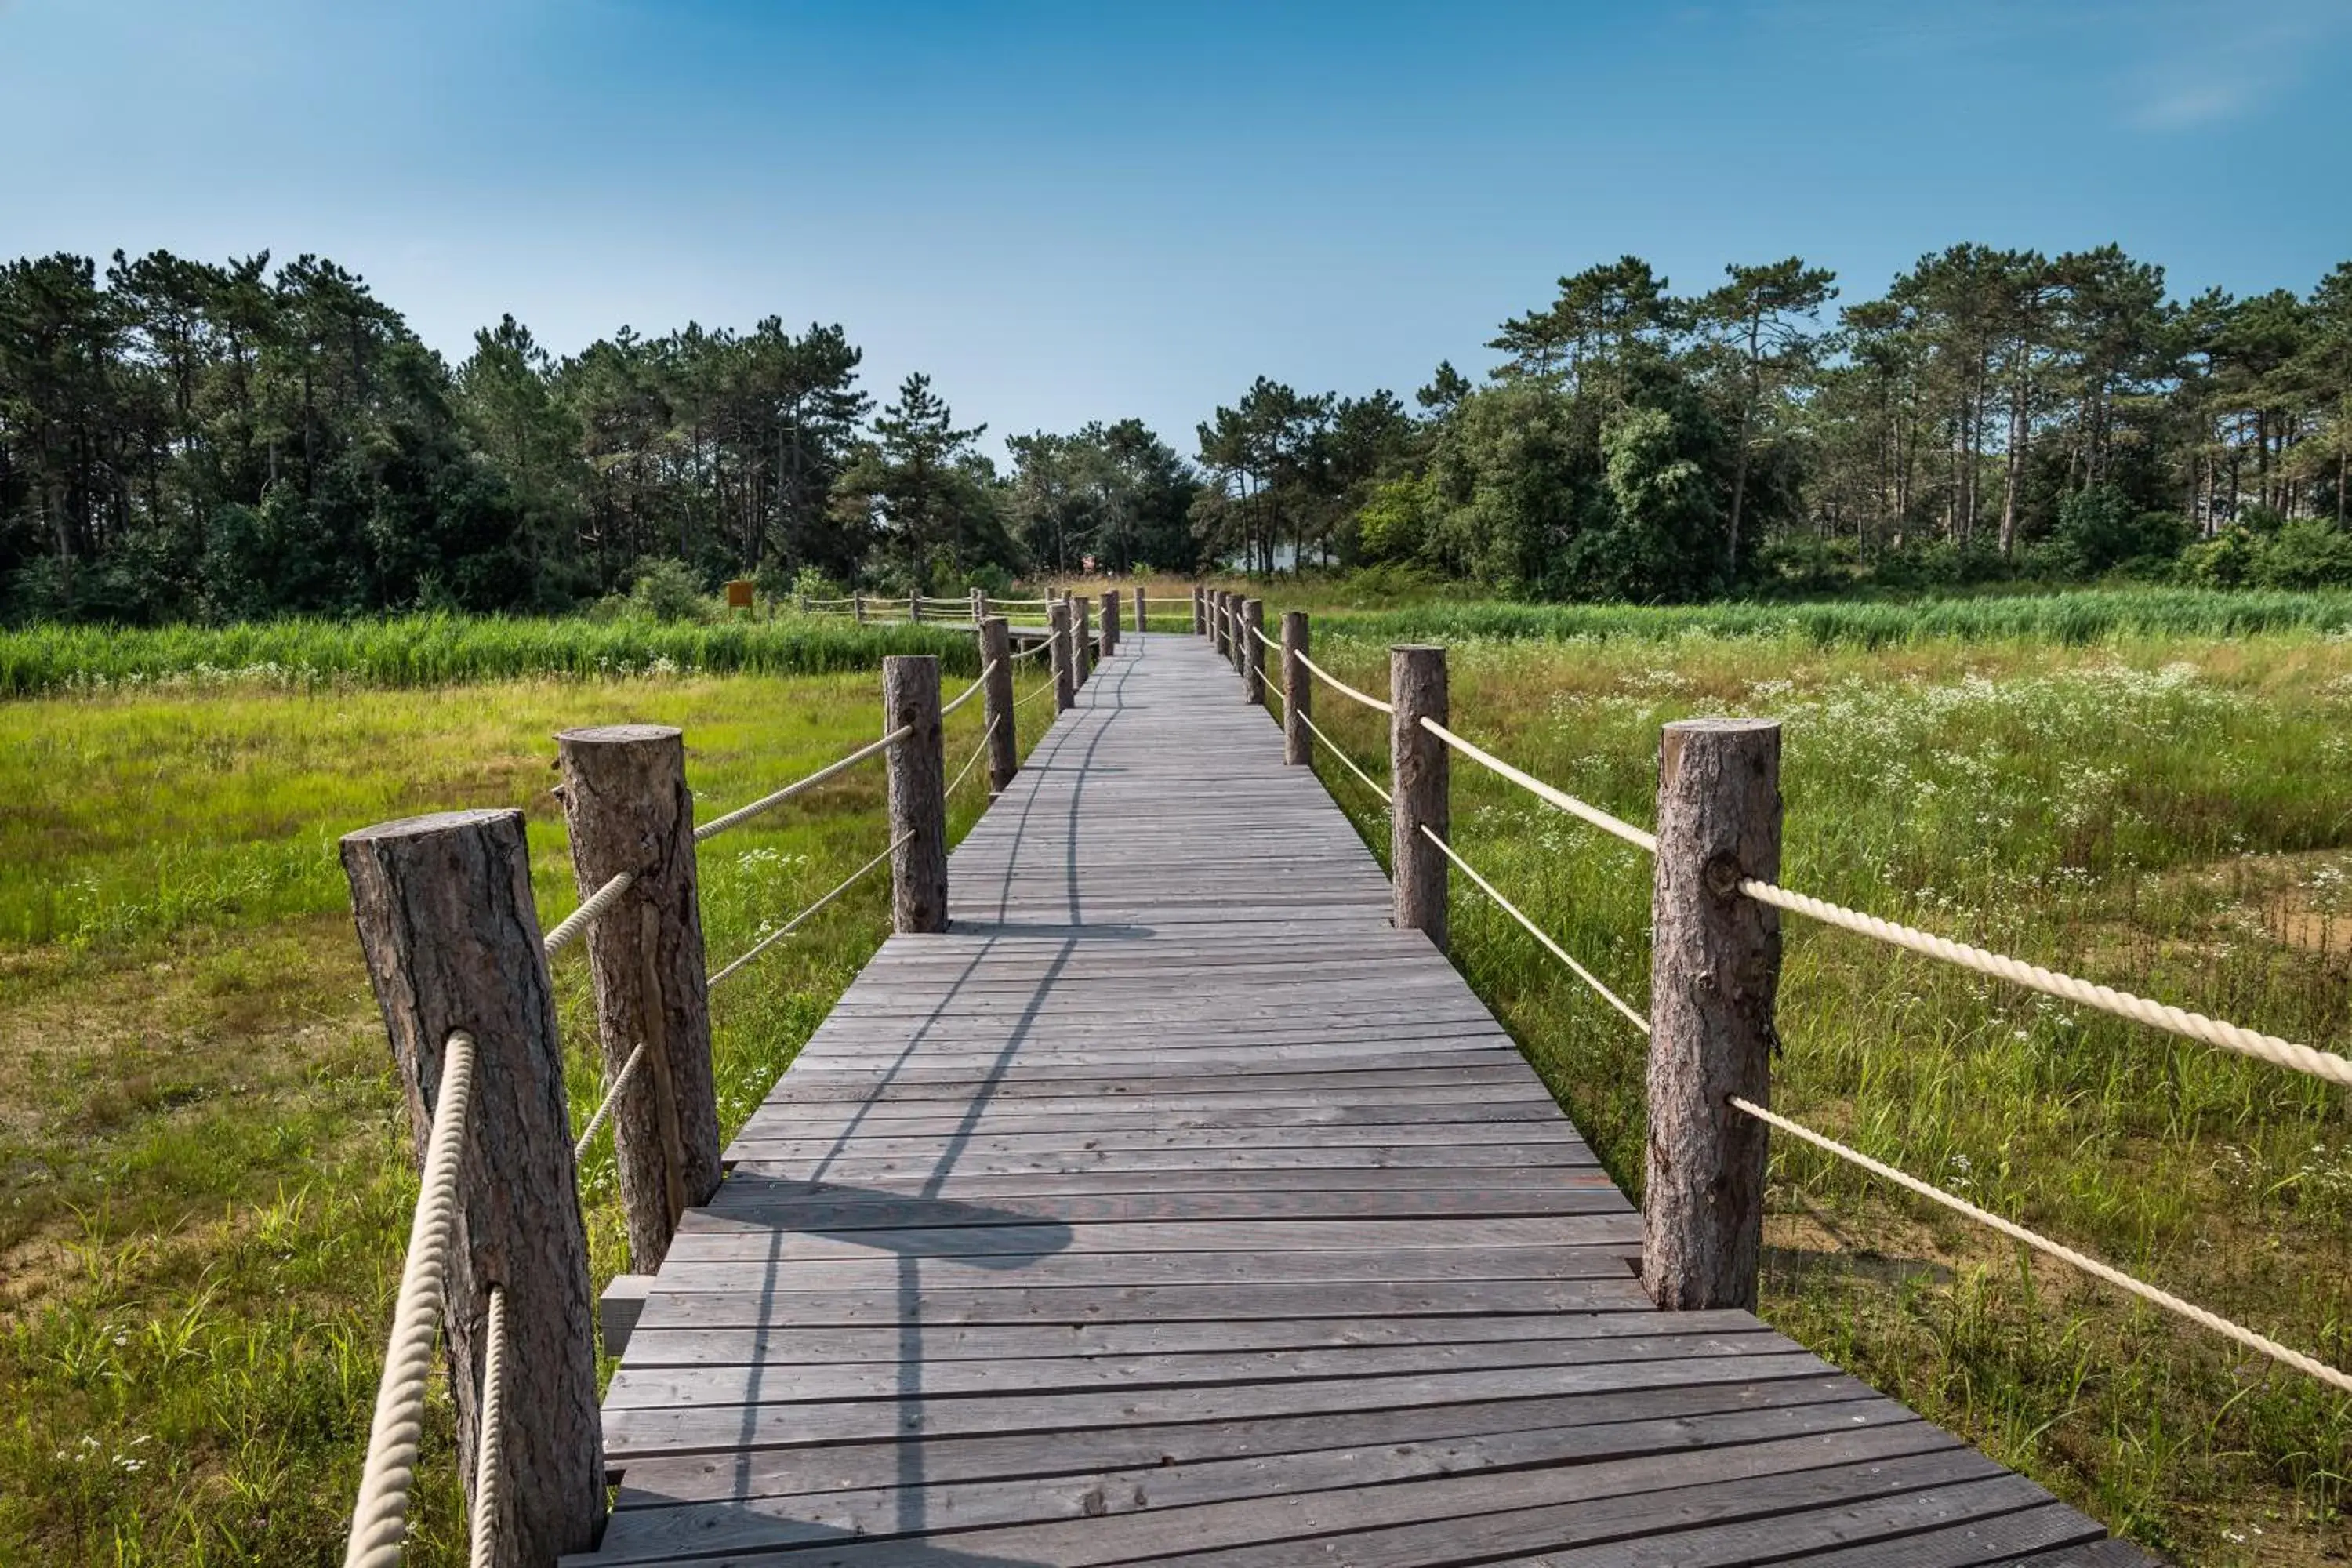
(1172, 1207)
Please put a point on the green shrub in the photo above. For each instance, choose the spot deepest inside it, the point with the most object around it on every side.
(669, 592)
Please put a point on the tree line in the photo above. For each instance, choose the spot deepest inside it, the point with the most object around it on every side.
(1996, 414)
(190, 440)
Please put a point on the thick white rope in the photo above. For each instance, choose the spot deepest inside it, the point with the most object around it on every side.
(604, 1106)
(2064, 1254)
(1537, 932)
(595, 904)
(793, 924)
(970, 691)
(1346, 760)
(380, 1516)
(1583, 810)
(745, 813)
(2263, 1048)
(1336, 684)
(977, 752)
(1033, 650)
(1043, 688)
(489, 1455)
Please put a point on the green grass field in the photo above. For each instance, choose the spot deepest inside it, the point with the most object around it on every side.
(207, 1173)
(2165, 815)
(204, 1181)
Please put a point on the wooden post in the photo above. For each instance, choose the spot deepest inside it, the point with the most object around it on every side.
(800, 604)
(1200, 611)
(1252, 652)
(1239, 651)
(1221, 620)
(914, 605)
(627, 808)
(1142, 616)
(918, 793)
(1081, 656)
(1418, 785)
(1057, 641)
(1110, 622)
(978, 606)
(996, 702)
(1297, 687)
(452, 941)
(1715, 968)
(857, 603)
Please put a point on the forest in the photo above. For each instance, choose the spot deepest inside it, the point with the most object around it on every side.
(189, 441)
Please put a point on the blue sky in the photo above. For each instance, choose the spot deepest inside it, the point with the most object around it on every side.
(1067, 212)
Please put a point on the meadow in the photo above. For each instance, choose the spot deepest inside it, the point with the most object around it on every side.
(207, 1173)
(204, 1179)
(2166, 814)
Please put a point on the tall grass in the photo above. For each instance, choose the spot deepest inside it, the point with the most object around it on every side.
(446, 649)
(2065, 619)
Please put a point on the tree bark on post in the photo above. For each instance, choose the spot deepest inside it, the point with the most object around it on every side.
(1715, 970)
(914, 605)
(1217, 620)
(1200, 611)
(996, 702)
(1057, 651)
(626, 807)
(978, 606)
(918, 793)
(857, 604)
(452, 942)
(1252, 652)
(1110, 622)
(1418, 784)
(1239, 650)
(1297, 687)
(1081, 656)
(1143, 615)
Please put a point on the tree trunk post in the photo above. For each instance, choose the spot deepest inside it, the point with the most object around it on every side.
(1082, 657)
(800, 604)
(452, 942)
(914, 605)
(1418, 778)
(996, 702)
(1200, 611)
(857, 604)
(1110, 622)
(978, 606)
(1239, 651)
(1252, 652)
(1143, 615)
(1297, 707)
(918, 793)
(1057, 644)
(627, 809)
(1715, 968)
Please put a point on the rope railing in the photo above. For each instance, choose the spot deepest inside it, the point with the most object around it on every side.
(2064, 1254)
(1341, 687)
(380, 1516)
(977, 752)
(490, 1459)
(1032, 650)
(604, 1106)
(969, 692)
(1583, 811)
(1600, 988)
(594, 904)
(769, 802)
(1345, 759)
(794, 924)
(2229, 1037)
(1041, 689)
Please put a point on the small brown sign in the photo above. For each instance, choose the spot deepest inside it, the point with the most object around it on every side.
(738, 594)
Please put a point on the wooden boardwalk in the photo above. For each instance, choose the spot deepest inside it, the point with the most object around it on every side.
(1172, 1207)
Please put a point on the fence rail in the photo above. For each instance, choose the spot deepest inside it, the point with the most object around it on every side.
(641, 925)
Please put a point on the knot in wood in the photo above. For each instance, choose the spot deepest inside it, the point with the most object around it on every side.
(1723, 874)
